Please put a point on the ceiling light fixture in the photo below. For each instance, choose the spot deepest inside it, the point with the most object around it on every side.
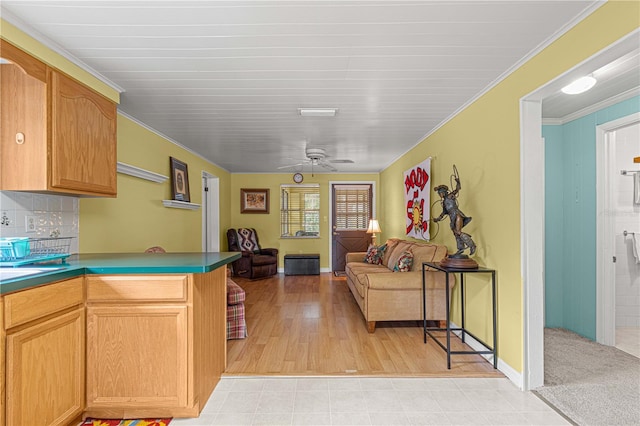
(581, 85)
(317, 112)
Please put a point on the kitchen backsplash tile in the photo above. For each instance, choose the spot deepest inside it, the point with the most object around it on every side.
(53, 214)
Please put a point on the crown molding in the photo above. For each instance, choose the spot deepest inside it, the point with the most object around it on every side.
(12, 19)
(592, 108)
(601, 105)
(173, 141)
(536, 50)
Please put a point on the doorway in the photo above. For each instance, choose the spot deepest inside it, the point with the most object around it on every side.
(532, 204)
(210, 213)
(352, 205)
(618, 284)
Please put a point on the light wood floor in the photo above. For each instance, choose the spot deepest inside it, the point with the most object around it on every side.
(311, 325)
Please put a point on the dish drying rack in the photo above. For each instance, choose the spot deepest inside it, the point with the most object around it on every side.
(24, 251)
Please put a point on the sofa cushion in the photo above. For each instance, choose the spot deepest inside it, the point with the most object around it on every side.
(398, 250)
(391, 246)
(426, 252)
(404, 262)
(357, 273)
(375, 254)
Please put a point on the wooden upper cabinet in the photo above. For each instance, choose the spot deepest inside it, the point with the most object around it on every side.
(57, 134)
(83, 138)
(23, 121)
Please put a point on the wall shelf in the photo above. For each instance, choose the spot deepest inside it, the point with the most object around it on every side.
(180, 205)
(130, 170)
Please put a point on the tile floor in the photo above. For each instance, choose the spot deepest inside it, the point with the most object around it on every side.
(371, 401)
(628, 340)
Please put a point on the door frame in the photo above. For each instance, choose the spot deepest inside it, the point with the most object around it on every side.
(329, 225)
(532, 207)
(210, 204)
(605, 228)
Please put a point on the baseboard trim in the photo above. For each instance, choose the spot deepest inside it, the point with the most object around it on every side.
(503, 367)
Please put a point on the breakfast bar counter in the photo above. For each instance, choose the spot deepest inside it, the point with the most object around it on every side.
(126, 335)
(113, 263)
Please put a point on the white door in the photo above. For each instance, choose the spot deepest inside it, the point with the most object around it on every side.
(210, 213)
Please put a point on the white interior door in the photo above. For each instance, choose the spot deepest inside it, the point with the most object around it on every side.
(210, 213)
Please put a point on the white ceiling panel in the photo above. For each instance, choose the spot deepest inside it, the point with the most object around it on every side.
(226, 78)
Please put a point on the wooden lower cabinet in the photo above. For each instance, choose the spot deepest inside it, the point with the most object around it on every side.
(137, 356)
(156, 344)
(45, 359)
(2, 369)
(151, 346)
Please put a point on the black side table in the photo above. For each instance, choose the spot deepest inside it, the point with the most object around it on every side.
(462, 329)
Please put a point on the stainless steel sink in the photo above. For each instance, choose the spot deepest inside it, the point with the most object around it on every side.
(12, 273)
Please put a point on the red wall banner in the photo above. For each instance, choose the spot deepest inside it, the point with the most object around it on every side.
(417, 199)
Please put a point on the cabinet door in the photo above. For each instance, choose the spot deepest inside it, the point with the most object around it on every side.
(23, 122)
(83, 138)
(137, 357)
(2, 367)
(45, 371)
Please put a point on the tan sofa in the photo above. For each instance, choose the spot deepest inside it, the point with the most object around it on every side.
(384, 295)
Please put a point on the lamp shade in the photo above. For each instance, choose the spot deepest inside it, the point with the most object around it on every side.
(374, 226)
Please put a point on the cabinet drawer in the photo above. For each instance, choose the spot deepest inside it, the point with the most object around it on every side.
(28, 305)
(150, 288)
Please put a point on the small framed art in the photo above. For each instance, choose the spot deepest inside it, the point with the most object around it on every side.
(179, 180)
(254, 200)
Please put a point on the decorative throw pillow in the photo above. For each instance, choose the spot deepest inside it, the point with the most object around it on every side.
(374, 254)
(247, 240)
(404, 262)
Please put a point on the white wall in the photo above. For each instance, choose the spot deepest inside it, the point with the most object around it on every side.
(53, 214)
(627, 146)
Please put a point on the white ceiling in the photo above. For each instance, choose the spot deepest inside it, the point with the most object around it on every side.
(226, 78)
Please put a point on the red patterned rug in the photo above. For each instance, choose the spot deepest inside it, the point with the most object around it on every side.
(128, 422)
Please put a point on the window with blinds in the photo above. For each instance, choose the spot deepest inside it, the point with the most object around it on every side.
(352, 205)
(300, 210)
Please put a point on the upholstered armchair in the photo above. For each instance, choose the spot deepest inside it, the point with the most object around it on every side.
(256, 262)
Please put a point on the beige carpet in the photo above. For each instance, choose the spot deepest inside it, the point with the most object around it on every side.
(590, 383)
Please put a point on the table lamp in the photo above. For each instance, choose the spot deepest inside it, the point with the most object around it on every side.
(372, 229)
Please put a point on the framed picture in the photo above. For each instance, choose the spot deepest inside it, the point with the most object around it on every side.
(179, 180)
(254, 200)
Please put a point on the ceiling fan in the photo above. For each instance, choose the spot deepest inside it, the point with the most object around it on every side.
(317, 157)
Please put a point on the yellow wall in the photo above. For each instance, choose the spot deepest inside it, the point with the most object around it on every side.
(484, 143)
(268, 225)
(136, 219)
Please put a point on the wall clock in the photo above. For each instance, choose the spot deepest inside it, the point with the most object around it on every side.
(298, 178)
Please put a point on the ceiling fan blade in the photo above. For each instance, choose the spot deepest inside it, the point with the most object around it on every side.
(341, 161)
(327, 166)
(289, 166)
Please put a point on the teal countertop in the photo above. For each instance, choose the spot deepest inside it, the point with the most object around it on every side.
(118, 263)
